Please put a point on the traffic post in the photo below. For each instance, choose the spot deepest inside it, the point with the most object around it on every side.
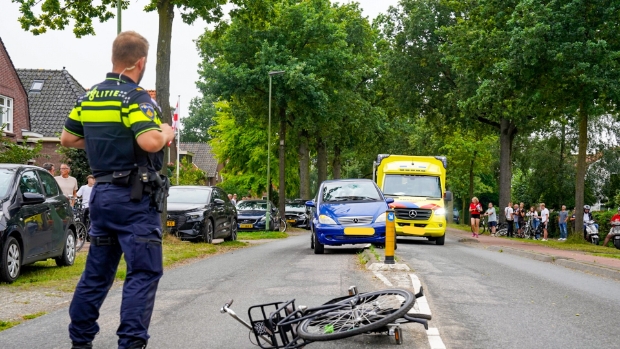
(390, 237)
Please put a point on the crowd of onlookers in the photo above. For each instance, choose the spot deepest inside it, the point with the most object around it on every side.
(518, 217)
(69, 185)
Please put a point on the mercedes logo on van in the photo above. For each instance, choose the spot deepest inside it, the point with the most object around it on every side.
(413, 213)
(355, 220)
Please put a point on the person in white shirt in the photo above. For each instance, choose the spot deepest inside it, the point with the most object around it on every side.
(544, 217)
(84, 193)
(86, 189)
(509, 214)
(68, 185)
(492, 218)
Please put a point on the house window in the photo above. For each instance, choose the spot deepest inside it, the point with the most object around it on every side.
(37, 86)
(6, 113)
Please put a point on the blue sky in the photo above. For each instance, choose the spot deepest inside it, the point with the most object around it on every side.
(88, 58)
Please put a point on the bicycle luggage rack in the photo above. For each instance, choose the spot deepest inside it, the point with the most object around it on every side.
(264, 319)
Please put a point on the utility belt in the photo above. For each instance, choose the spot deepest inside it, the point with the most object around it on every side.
(141, 182)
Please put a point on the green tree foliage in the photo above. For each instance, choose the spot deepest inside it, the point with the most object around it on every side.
(13, 153)
(196, 125)
(574, 48)
(189, 174)
(77, 160)
(326, 51)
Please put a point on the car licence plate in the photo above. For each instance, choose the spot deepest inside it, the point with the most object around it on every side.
(290, 221)
(359, 231)
(171, 223)
(246, 226)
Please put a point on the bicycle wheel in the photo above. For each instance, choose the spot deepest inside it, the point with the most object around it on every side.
(502, 230)
(282, 225)
(484, 227)
(359, 314)
(80, 235)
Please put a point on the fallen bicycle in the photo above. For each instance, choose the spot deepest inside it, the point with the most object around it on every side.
(282, 325)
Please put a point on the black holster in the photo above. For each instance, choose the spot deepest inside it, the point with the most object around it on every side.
(160, 187)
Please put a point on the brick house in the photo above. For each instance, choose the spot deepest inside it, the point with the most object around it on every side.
(51, 96)
(202, 156)
(14, 109)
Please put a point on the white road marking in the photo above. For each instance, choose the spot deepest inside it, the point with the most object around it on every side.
(434, 339)
(383, 278)
(421, 304)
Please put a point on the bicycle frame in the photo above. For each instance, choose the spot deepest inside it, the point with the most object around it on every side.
(278, 329)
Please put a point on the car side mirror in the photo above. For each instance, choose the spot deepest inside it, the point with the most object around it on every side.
(218, 202)
(33, 198)
(447, 195)
(310, 204)
(389, 200)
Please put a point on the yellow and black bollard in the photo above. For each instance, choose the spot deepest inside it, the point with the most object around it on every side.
(390, 237)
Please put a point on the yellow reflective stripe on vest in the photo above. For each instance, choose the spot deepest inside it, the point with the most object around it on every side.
(75, 114)
(103, 116)
(136, 115)
(116, 104)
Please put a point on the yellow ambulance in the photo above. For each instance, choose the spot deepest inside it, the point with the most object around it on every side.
(418, 186)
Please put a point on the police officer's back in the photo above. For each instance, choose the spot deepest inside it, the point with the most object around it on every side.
(118, 124)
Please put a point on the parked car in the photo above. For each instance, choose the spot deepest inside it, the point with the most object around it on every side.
(296, 215)
(348, 211)
(456, 216)
(36, 220)
(201, 213)
(253, 215)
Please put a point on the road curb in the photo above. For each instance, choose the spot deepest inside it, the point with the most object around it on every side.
(468, 240)
(561, 261)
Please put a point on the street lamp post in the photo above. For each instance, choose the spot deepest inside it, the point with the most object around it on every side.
(268, 216)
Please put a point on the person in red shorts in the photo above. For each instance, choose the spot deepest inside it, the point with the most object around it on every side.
(474, 210)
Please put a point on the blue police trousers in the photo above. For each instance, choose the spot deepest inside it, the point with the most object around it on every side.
(119, 226)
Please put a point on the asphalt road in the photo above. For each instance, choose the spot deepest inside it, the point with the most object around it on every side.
(189, 298)
(485, 299)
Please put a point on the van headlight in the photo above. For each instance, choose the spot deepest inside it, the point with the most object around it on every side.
(381, 218)
(323, 219)
(440, 211)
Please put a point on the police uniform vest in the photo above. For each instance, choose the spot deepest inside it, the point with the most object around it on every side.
(110, 117)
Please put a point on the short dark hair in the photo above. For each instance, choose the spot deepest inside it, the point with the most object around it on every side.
(128, 48)
(48, 166)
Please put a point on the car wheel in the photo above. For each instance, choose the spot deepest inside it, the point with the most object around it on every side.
(319, 248)
(311, 240)
(207, 231)
(68, 252)
(11, 262)
(441, 240)
(233, 231)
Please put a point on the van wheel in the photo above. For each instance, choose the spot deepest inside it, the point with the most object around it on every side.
(441, 240)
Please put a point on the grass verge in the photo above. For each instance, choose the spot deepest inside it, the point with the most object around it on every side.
(574, 243)
(260, 235)
(47, 275)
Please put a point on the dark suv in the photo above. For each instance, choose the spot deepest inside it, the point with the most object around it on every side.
(201, 213)
(36, 220)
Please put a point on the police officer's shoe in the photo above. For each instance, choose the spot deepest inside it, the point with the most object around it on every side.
(137, 344)
(77, 345)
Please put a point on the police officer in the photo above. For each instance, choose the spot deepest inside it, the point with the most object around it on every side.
(118, 124)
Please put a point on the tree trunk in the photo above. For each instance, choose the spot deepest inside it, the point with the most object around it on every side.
(507, 134)
(336, 164)
(561, 166)
(581, 168)
(165, 10)
(321, 161)
(282, 185)
(304, 166)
